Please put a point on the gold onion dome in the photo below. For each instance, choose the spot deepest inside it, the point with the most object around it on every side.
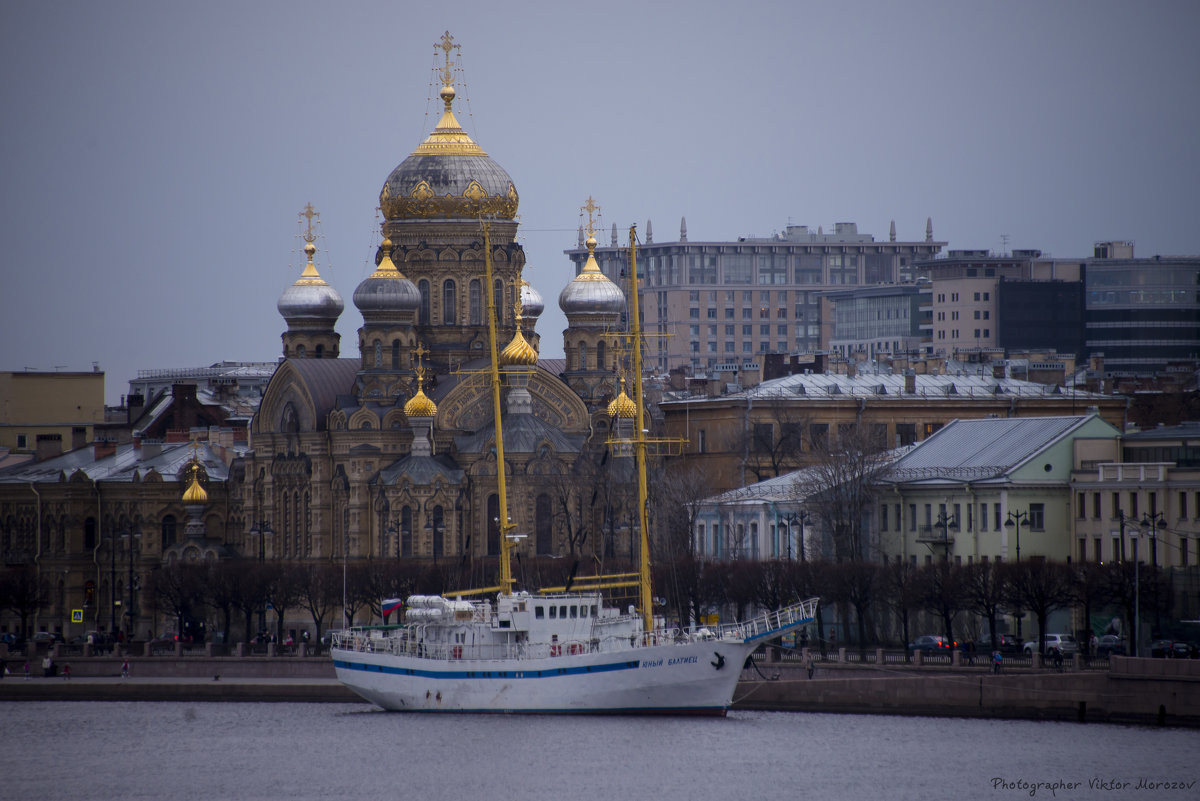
(622, 406)
(420, 405)
(518, 352)
(194, 494)
(448, 175)
(386, 291)
(591, 292)
(310, 298)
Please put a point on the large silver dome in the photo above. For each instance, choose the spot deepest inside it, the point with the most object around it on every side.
(591, 292)
(310, 298)
(386, 292)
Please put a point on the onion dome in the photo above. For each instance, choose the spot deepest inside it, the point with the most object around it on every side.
(532, 304)
(448, 175)
(195, 495)
(518, 352)
(310, 298)
(386, 291)
(622, 406)
(591, 292)
(420, 405)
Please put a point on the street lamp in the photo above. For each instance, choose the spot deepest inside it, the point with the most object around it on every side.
(261, 529)
(131, 535)
(946, 523)
(792, 518)
(1154, 521)
(1014, 521)
(436, 528)
(112, 584)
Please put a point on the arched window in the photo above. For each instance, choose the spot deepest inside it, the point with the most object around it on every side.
(320, 350)
(89, 534)
(406, 531)
(583, 364)
(301, 352)
(600, 365)
(378, 353)
(493, 525)
(543, 525)
(449, 302)
(475, 291)
(168, 531)
(423, 314)
(439, 531)
(395, 354)
(498, 298)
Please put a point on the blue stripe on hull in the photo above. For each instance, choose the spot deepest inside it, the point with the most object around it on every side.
(487, 674)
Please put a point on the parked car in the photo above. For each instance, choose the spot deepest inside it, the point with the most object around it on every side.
(1174, 649)
(46, 637)
(1062, 643)
(1007, 644)
(1111, 644)
(930, 643)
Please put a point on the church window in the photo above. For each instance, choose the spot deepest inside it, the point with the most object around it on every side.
(493, 525)
(583, 356)
(89, 534)
(449, 302)
(168, 531)
(439, 531)
(395, 354)
(320, 351)
(543, 524)
(600, 356)
(423, 313)
(498, 299)
(301, 352)
(405, 543)
(378, 353)
(475, 292)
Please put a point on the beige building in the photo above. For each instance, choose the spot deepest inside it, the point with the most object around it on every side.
(47, 413)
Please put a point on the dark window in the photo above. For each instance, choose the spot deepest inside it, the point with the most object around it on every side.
(1037, 517)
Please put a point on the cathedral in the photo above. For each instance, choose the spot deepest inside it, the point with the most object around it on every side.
(391, 452)
(386, 453)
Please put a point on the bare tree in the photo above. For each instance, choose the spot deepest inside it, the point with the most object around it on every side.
(901, 593)
(944, 593)
(1041, 587)
(319, 591)
(675, 495)
(24, 592)
(986, 593)
(773, 443)
(840, 487)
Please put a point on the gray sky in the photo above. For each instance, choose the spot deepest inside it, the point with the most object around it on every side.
(156, 155)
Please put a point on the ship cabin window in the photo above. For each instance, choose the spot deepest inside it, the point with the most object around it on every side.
(562, 612)
(583, 611)
(539, 612)
(593, 610)
(574, 612)
(553, 612)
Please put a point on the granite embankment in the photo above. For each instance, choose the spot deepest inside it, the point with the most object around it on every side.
(1141, 691)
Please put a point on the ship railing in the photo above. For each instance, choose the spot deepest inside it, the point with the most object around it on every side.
(770, 624)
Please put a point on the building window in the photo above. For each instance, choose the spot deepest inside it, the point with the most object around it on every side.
(1133, 505)
(1183, 551)
(475, 300)
(600, 358)
(1081, 505)
(423, 313)
(883, 517)
(700, 441)
(449, 302)
(1096, 505)
(983, 517)
(1037, 517)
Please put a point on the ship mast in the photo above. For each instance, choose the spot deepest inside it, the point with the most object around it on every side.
(506, 579)
(639, 439)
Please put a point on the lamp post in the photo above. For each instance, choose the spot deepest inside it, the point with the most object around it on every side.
(132, 535)
(261, 529)
(1154, 521)
(792, 518)
(436, 529)
(112, 584)
(946, 523)
(1014, 520)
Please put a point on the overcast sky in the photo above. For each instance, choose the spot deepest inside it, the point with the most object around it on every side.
(156, 155)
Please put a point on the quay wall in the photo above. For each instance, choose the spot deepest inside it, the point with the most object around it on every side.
(1141, 691)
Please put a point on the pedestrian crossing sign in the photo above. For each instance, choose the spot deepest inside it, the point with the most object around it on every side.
(76, 615)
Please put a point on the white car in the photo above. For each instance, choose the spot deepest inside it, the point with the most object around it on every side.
(1063, 643)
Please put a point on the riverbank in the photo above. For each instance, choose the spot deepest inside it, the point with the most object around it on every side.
(1136, 691)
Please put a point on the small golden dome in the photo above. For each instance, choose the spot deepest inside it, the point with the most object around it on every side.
(420, 405)
(622, 406)
(518, 352)
(195, 494)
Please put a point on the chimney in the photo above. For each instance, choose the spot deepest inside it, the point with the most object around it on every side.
(133, 407)
(103, 448)
(48, 446)
(151, 448)
(997, 369)
(910, 382)
(78, 437)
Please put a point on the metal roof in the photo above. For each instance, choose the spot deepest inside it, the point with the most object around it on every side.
(977, 449)
(126, 464)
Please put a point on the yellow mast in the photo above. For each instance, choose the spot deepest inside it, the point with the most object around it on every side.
(639, 439)
(506, 579)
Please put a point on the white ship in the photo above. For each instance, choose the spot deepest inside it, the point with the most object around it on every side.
(555, 651)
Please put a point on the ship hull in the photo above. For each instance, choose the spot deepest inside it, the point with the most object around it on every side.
(677, 678)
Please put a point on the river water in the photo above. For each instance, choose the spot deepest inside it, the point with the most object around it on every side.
(303, 752)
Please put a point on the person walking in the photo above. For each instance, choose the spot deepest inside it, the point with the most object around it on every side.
(67, 672)
(125, 668)
(996, 659)
(26, 670)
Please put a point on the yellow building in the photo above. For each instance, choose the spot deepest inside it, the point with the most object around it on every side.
(47, 413)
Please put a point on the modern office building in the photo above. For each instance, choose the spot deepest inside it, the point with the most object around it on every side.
(879, 320)
(1142, 313)
(708, 305)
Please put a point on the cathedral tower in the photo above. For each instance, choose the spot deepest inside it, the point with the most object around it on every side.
(311, 307)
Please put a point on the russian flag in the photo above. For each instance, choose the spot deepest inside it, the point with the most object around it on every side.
(390, 605)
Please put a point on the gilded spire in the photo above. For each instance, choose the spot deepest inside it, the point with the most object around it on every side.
(194, 495)
(448, 138)
(387, 268)
(420, 405)
(622, 406)
(518, 351)
(310, 276)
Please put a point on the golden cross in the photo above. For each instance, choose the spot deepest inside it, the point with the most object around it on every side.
(310, 212)
(591, 208)
(421, 351)
(447, 44)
